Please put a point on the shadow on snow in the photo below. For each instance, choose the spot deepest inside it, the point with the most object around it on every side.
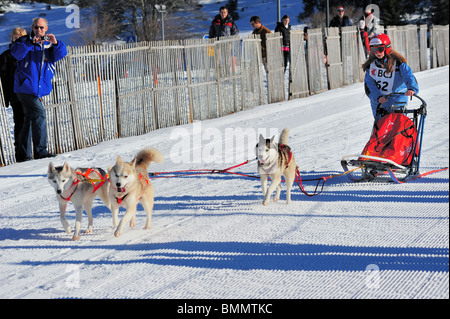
(265, 256)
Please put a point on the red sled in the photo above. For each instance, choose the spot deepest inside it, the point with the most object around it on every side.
(394, 146)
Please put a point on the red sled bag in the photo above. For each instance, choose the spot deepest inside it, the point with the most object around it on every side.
(393, 137)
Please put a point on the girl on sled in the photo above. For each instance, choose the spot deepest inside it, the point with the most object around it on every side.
(387, 72)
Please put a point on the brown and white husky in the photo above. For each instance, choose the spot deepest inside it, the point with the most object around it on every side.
(130, 184)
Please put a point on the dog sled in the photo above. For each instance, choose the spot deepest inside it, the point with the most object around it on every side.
(394, 146)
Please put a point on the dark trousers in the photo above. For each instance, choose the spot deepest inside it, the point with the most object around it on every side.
(286, 57)
(34, 126)
(18, 120)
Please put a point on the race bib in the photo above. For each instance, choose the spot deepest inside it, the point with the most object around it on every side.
(383, 79)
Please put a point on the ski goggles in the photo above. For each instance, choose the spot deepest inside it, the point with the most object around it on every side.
(379, 49)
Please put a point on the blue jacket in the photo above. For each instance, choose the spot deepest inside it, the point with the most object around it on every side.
(35, 65)
(378, 83)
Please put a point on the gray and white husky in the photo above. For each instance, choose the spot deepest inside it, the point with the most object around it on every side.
(80, 186)
(275, 160)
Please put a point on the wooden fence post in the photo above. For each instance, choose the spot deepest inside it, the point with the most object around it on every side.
(334, 62)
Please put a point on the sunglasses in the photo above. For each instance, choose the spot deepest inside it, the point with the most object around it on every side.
(379, 49)
(39, 27)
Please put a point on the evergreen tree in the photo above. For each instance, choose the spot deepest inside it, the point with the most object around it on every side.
(392, 12)
(440, 12)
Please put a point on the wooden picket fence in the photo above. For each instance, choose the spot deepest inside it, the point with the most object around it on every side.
(106, 92)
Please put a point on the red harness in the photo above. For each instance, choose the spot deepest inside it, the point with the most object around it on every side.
(75, 182)
(103, 179)
(281, 146)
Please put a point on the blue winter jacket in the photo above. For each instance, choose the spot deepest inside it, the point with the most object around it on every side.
(35, 65)
(379, 83)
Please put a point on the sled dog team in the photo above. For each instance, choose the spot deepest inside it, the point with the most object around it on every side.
(127, 183)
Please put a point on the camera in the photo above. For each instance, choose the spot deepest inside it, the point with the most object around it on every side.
(45, 38)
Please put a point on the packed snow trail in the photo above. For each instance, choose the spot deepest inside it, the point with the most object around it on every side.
(212, 238)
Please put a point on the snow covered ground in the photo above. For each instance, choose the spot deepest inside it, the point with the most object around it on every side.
(212, 238)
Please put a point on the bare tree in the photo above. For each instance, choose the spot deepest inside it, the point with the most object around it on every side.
(140, 17)
(112, 19)
(100, 28)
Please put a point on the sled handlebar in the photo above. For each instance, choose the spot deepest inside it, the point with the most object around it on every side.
(420, 110)
(402, 93)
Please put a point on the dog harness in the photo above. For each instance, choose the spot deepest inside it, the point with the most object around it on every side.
(75, 182)
(119, 200)
(286, 149)
(101, 181)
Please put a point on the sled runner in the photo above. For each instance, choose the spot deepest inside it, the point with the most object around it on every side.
(394, 146)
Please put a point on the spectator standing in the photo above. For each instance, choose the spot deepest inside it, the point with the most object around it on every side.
(223, 25)
(285, 29)
(8, 65)
(340, 20)
(260, 29)
(305, 36)
(367, 28)
(36, 56)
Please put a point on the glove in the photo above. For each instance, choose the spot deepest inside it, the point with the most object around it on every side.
(362, 25)
(381, 111)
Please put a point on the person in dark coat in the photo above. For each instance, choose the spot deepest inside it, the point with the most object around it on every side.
(8, 65)
(260, 29)
(340, 20)
(223, 25)
(285, 29)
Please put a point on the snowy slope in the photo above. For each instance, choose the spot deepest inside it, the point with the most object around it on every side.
(212, 238)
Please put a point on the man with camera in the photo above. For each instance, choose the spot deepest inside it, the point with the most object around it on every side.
(36, 56)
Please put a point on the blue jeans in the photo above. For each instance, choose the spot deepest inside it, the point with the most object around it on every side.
(34, 126)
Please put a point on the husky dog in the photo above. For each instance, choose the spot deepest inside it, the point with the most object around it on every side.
(129, 185)
(275, 160)
(77, 185)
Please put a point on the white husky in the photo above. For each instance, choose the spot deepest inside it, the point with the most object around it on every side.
(80, 186)
(275, 160)
(129, 185)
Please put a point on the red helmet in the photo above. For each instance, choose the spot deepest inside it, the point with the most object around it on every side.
(381, 40)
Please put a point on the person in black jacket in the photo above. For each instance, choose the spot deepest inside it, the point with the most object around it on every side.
(8, 65)
(340, 20)
(285, 28)
(223, 25)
